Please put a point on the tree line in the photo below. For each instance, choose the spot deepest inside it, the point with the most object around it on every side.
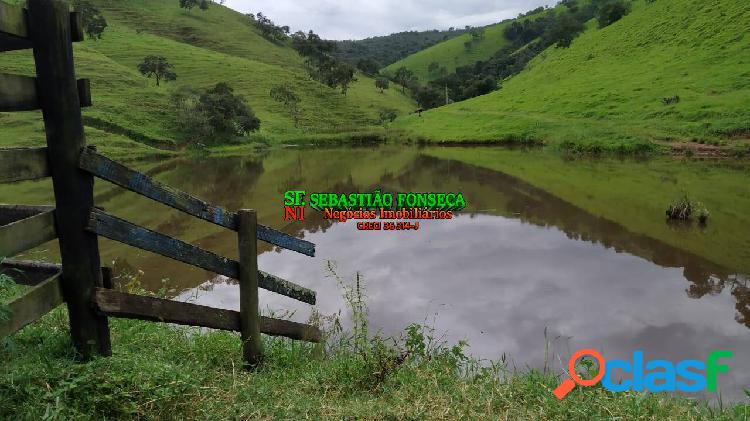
(526, 38)
(384, 50)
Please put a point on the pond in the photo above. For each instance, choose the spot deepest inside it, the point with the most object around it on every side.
(551, 255)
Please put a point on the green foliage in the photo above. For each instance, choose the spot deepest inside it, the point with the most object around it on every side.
(157, 66)
(391, 48)
(285, 94)
(227, 112)
(9, 290)
(165, 372)
(268, 29)
(94, 23)
(684, 208)
(214, 112)
(404, 77)
(189, 4)
(368, 66)
(387, 116)
(133, 116)
(603, 94)
(382, 83)
(613, 11)
(321, 64)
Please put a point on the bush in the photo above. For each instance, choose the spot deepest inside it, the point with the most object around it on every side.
(612, 12)
(214, 112)
(387, 116)
(683, 209)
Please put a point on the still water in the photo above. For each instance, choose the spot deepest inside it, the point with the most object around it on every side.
(524, 265)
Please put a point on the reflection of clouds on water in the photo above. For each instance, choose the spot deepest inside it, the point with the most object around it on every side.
(503, 283)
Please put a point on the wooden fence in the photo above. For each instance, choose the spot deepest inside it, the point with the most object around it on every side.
(49, 28)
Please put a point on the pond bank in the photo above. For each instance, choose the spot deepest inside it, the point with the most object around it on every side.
(161, 372)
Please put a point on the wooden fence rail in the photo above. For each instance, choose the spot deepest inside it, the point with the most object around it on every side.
(19, 93)
(120, 304)
(27, 233)
(48, 27)
(21, 164)
(34, 304)
(144, 185)
(101, 223)
(14, 28)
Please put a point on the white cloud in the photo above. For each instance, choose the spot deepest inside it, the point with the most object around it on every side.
(356, 19)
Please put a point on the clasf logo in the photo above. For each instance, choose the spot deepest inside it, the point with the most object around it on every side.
(654, 375)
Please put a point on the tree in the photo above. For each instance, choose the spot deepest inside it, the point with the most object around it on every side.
(433, 67)
(188, 4)
(158, 67)
(214, 112)
(612, 12)
(382, 84)
(368, 66)
(227, 113)
(193, 121)
(93, 21)
(283, 93)
(477, 34)
(268, 29)
(564, 30)
(342, 75)
(403, 77)
(387, 116)
(429, 96)
(310, 45)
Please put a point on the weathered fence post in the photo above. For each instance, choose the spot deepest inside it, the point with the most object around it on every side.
(247, 226)
(50, 31)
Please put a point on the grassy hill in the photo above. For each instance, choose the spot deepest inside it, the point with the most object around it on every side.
(452, 53)
(606, 90)
(218, 45)
(391, 48)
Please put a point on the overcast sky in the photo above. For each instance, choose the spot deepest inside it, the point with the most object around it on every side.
(356, 19)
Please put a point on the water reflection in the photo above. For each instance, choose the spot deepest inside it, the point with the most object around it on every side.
(517, 263)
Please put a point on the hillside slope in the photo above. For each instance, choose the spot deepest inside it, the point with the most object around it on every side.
(453, 53)
(388, 49)
(218, 45)
(606, 90)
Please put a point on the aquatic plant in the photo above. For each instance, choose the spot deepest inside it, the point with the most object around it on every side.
(684, 208)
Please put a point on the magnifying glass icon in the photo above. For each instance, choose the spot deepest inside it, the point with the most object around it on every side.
(568, 384)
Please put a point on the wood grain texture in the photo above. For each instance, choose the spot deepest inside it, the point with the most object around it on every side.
(13, 213)
(12, 43)
(13, 20)
(19, 164)
(142, 184)
(120, 304)
(252, 347)
(27, 233)
(29, 272)
(31, 306)
(58, 96)
(117, 229)
(18, 93)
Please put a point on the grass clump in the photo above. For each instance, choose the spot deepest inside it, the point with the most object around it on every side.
(684, 208)
(165, 372)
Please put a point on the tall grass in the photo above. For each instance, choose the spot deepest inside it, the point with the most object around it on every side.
(166, 372)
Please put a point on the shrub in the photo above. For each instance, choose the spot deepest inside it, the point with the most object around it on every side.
(684, 208)
(214, 112)
(612, 12)
(387, 116)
